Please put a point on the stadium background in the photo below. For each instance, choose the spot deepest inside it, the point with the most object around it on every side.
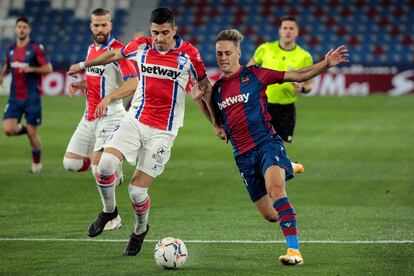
(354, 202)
(378, 33)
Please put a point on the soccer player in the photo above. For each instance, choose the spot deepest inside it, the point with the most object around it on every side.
(103, 83)
(146, 134)
(240, 101)
(284, 55)
(26, 60)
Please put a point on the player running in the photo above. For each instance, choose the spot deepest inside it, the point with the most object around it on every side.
(146, 134)
(105, 85)
(26, 60)
(240, 101)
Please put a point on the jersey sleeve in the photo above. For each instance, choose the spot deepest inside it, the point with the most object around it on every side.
(197, 67)
(41, 55)
(130, 50)
(267, 76)
(259, 53)
(126, 68)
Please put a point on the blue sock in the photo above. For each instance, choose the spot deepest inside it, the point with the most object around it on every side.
(288, 222)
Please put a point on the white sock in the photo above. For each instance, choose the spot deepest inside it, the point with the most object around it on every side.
(141, 204)
(106, 179)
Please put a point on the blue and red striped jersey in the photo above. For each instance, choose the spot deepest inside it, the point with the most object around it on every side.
(25, 86)
(241, 103)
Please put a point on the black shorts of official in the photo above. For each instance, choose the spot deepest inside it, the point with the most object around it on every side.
(283, 119)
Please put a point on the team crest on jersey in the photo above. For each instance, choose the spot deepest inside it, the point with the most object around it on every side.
(27, 53)
(182, 60)
(245, 80)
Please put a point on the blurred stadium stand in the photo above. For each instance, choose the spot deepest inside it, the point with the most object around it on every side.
(61, 25)
(377, 32)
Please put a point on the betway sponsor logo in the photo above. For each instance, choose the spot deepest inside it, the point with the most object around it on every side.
(95, 70)
(18, 64)
(243, 98)
(159, 71)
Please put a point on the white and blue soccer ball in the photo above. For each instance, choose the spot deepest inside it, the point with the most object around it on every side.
(170, 253)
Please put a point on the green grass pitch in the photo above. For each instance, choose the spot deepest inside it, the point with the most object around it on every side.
(358, 185)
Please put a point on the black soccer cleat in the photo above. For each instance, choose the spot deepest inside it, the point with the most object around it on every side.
(98, 225)
(135, 243)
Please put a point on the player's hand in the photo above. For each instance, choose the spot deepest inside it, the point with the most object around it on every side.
(221, 133)
(100, 110)
(339, 55)
(297, 86)
(26, 69)
(74, 69)
(196, 92)
(73, 88)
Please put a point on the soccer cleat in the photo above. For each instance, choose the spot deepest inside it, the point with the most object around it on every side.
(113, 224)
(98, 225)
(36, 167)
(135, 243)
(298, 167)
(292, 257)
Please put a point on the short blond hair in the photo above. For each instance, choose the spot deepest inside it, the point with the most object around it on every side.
(232, 35)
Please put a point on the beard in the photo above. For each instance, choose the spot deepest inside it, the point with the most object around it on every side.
(21, 37)
(101, 38)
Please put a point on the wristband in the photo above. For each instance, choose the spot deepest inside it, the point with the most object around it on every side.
(82, 65)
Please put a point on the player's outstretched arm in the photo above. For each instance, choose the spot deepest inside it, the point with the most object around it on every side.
(332, 58)
(126, 89)
(105, 58)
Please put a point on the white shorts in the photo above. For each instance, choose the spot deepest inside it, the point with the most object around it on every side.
(90, 136)
(146, 147)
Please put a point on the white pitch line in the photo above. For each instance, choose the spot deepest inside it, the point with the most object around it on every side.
(217, 241)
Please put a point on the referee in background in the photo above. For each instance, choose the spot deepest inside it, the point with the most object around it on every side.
(284, 55)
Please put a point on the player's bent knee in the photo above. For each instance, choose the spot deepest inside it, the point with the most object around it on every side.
(108, 164)
(74, 165)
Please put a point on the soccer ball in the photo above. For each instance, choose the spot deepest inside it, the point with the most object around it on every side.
(170, 253)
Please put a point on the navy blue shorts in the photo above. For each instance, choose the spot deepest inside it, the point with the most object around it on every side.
(31, 110)
(254, 163)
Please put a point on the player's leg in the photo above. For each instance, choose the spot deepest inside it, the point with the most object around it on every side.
(275, 167)
(140, 200)
(115, 223)
(123, 143)
(153, 156)
(105, 181)
(11, 119)
(78, 153)
(35, 143)
(11, 127)
(33, 114)
(265, 208)
(104, 129)
(275, 184)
